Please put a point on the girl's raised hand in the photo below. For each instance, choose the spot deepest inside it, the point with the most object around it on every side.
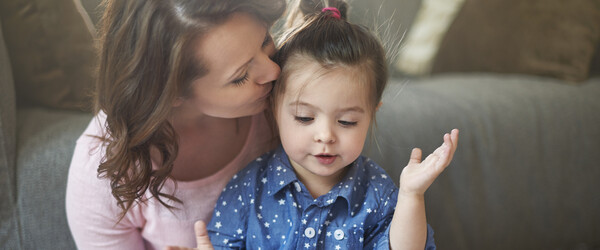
(418, 175)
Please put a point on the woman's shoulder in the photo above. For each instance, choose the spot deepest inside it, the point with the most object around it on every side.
(88, 154)
(254, 169)
(262, 134)
(95, 130)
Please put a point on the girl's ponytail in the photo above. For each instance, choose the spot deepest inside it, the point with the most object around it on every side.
(300, 10)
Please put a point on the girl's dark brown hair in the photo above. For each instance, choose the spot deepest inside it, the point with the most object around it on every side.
(146, 62)
(332, 42)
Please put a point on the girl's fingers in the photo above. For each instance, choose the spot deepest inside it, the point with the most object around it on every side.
(442, 156)
(415, 156)
(454, 138)
(442, 150)
(454, 143)
(430, 160)
(202, 239)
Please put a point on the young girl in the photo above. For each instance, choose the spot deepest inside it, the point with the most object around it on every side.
(315, 190)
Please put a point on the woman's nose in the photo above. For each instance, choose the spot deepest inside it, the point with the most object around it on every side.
(268, 70)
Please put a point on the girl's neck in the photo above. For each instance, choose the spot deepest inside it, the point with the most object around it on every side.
(318, 185)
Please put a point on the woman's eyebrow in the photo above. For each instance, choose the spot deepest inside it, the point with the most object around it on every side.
(267, 39)
(237, 71)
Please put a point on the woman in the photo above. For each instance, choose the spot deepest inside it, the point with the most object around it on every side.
(182, 85)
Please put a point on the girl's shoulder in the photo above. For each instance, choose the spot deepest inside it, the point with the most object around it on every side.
(374, 170)
(253, 172)
(376, 178)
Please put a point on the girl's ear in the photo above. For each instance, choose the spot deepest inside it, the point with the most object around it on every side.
(378, 105)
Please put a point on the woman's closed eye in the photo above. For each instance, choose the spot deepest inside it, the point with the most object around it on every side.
(241, 80)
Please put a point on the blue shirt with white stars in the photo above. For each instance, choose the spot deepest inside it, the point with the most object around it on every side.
(265, 206)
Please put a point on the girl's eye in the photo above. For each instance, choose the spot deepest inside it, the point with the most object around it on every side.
(347, 123)
(241, 80)
(303, 119)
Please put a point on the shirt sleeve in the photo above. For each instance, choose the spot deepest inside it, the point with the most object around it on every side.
(228, 225)
(384, 241)
(430, 244)
(91, 209)
(378, 236)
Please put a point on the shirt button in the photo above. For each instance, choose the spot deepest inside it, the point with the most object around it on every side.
(309, 232)
(338, 234)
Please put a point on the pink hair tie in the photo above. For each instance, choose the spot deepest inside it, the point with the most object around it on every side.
(334, 12)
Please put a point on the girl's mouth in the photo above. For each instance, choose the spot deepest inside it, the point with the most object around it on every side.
(325, 159)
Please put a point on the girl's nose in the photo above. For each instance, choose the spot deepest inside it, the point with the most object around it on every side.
(325, 135)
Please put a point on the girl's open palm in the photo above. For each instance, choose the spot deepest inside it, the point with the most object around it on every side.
(418, 175)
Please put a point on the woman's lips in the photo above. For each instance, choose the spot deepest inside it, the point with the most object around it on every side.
(264, 96)
(325, 159)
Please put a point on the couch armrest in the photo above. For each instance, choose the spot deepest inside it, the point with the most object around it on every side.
(46, 140)
(8, 213)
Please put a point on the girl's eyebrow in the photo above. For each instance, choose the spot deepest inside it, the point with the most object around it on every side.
(299, 103)
(344, 110)
(353, 109)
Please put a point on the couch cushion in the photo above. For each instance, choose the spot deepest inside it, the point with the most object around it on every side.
(525, 174)
(46, 140)
(428, 30)
(391, 20)
(51, 47)
(595, 65)
(543, 37)
(8, 213)
(93, 9)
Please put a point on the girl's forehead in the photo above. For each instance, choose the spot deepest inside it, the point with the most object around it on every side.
(305, 77)
(307, 73)
(321, 82)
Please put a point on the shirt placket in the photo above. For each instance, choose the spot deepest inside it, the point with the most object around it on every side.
(311, 225)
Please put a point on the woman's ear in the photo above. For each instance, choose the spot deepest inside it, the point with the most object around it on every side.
(178, 101)
(378, 105)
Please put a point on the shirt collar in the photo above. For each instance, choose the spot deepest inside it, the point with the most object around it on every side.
(279, 171)
(352, 188)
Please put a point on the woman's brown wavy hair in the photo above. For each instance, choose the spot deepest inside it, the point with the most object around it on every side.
(146, 62)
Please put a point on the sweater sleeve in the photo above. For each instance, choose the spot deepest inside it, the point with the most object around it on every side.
(91, 209)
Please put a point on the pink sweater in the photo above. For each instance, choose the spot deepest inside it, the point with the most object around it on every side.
(92, 211)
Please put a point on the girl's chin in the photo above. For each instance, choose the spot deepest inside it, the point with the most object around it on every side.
(325, 171)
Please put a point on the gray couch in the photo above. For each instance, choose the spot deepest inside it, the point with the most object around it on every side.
(525, 175)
